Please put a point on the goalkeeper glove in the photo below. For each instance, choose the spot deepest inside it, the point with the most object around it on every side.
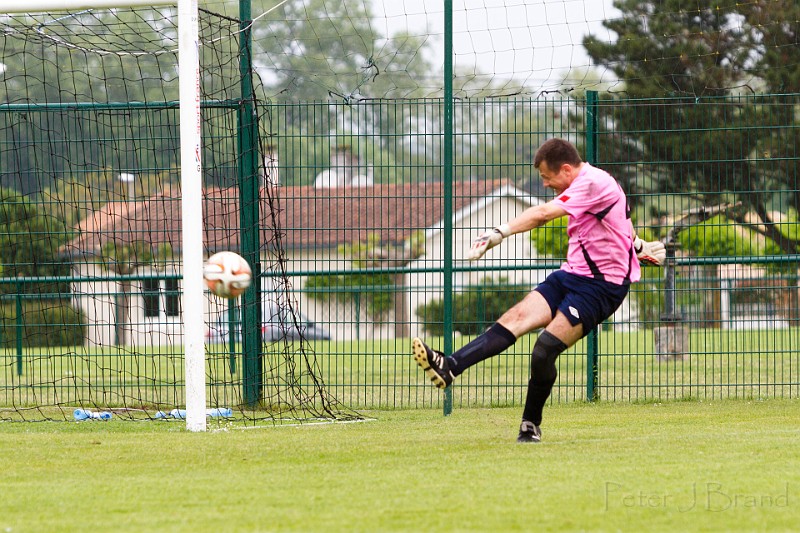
(650, 253)
(487, 240)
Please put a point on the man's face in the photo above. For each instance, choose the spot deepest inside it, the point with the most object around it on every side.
(557, 179)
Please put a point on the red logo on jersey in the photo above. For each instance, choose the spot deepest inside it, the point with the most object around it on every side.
(563, 197)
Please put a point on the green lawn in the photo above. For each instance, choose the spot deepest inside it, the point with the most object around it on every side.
(678, 466)
(381, 374)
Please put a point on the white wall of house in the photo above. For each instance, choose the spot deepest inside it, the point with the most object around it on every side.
(98, 300)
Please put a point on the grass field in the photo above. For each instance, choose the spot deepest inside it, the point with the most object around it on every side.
(678, 466)
(381, 374)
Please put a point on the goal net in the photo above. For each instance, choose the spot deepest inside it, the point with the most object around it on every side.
(90, 205)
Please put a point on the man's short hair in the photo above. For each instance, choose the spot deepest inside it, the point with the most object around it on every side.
(557, 152)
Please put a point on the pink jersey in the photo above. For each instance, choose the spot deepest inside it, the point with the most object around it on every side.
(600, 237)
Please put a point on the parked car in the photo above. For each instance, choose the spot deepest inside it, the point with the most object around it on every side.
(279, 326)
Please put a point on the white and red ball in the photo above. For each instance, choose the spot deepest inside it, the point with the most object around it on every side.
(227, 274)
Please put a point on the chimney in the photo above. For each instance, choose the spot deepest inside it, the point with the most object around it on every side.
(343, 162)
(270, 165)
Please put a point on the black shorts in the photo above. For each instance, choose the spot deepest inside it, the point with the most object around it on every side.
(583, 300)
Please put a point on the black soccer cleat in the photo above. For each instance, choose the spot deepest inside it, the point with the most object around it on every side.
(529, 432)
(433, 363)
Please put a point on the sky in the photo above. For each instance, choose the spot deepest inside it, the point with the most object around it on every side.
(533, 40)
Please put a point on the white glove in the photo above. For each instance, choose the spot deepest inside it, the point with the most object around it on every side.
(487, 240)
(650, 253)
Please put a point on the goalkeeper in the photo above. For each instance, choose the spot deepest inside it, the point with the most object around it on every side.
(602, 261)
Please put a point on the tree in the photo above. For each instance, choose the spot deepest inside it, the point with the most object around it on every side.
(685, 70)
(326, 69)
(29, 244)
(89, 55)
(551, 239)
(719, 237)
(518, 127)
(318, 49)
(314, 49)
(773, 36)
(663, 51)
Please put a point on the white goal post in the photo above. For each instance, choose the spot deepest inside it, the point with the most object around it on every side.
(191, 181)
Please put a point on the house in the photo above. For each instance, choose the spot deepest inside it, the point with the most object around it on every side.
(305, 227)
(346, 171)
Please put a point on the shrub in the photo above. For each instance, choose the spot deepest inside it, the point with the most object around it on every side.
(474, 309)
(551, 240)
(42, 323)
(375, 290)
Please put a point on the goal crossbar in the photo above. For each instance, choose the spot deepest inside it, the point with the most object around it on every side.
(37, 6)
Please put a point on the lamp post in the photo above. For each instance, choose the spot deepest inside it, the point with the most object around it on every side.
(672, 335)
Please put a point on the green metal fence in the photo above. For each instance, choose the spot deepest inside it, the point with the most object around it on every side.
(362, 222)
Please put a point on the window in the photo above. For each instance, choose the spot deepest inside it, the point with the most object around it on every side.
(161, 298)
(151, 289)
(172, 298)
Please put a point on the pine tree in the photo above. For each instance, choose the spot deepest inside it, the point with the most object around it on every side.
(689, 75)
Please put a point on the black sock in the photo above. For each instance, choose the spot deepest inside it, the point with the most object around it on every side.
(490, 343)
(543, 375)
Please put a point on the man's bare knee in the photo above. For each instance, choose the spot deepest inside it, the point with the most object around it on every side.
(531, 313)
(561, 327)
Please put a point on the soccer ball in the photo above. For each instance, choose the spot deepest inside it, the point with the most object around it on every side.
(227, 274)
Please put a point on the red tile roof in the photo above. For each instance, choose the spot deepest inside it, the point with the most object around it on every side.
(307, 217)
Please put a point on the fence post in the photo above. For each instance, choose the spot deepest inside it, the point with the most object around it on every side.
(447, 156)
(592, 369)
(249, 183)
